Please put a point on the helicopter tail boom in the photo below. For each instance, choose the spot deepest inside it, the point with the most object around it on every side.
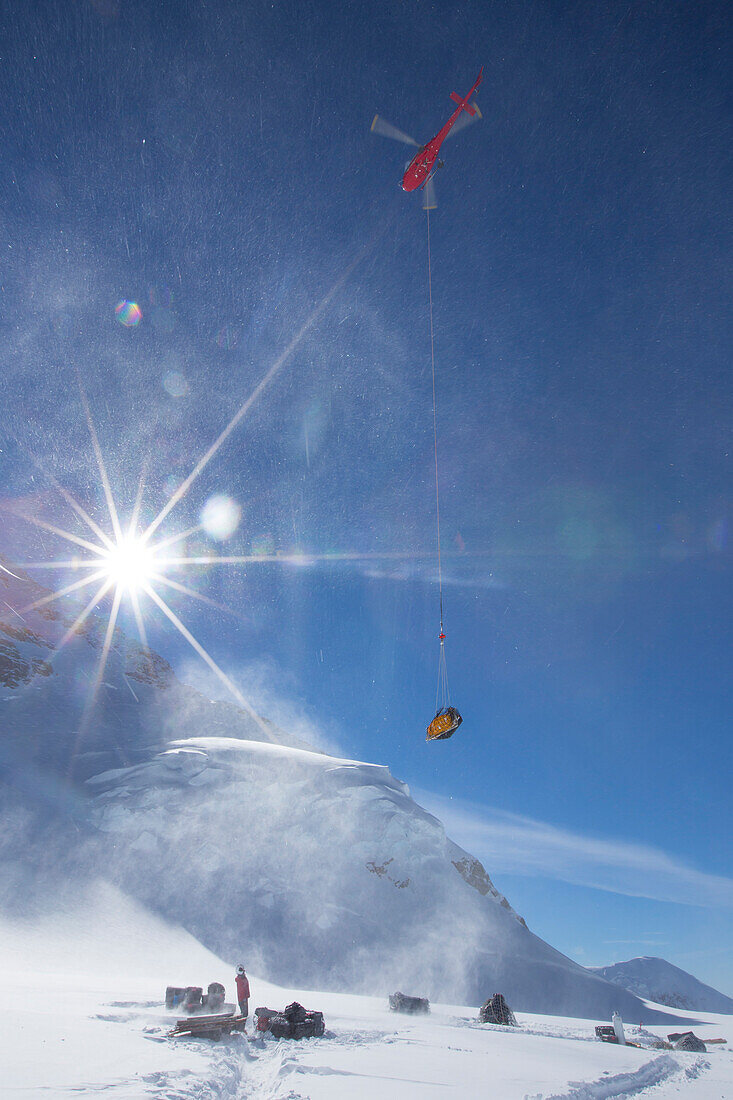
(463, 101)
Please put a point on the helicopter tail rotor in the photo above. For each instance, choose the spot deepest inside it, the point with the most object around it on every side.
(464, 120)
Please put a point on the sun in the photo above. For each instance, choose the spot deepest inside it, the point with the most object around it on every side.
(129, 564)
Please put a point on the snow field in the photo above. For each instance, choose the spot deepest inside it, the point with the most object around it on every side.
(86, 1016)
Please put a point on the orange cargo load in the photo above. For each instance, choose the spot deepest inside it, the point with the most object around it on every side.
(444, 725)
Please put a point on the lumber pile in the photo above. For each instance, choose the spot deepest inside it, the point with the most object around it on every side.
(209, 1027)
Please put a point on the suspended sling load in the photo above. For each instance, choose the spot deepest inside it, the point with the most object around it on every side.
(418, 175)
(444, 725)
(447, 718)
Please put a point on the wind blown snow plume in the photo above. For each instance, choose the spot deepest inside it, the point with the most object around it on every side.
(306, 864)
(318, 871)
(321, 871)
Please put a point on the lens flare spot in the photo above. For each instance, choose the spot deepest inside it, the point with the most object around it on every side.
(161, 296)
(128, 314)
(175, 384)
(227, 337)
(220, 516)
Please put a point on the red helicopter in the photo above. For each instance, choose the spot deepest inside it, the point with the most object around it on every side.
(421, 169)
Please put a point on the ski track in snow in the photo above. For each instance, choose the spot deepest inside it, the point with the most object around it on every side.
(225, 1079)
(645, 1080)
(260, 1069)
(240, 1069)
(252, 1069)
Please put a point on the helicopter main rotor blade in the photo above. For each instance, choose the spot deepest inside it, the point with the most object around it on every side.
(386, 129)
(429, 202)
(464, 120)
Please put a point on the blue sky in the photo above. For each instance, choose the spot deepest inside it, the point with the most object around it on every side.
(213, 163)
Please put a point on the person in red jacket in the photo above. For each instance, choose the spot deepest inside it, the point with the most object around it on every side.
(242, 991)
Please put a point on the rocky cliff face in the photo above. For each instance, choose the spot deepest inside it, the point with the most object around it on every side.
(140, 706)
(24, 651)
(30, 634)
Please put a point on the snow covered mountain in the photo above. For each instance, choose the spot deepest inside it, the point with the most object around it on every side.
(660, 981)
(313, 870)
(307, 865)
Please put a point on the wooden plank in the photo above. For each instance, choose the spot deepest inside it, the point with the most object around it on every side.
(201, 1019)
(206, 1025)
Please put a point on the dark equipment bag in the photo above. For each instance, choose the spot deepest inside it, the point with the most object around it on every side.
(413, 1006)
(294, 1022)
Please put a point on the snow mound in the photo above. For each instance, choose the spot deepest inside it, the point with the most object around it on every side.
(324, 873)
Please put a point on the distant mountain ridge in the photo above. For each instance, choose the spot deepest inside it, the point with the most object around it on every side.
(320, 872)
(660, 981)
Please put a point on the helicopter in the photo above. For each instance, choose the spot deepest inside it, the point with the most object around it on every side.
(421, 169)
